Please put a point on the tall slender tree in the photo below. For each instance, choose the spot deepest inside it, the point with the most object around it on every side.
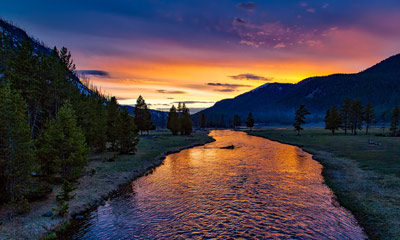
(16, 146)
(186, 121)
(345, 114)
(173, 121)
(369, 115)
(394, 126)
(127, 134)
(112, 122)
(250, 121)
(300, 117)
(142, 116)
(356, 115)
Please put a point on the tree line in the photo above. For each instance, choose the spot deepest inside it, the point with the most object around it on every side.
(351, 116)
(179, 120)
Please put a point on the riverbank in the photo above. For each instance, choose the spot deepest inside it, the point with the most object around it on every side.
(103, 178)
(365, 177)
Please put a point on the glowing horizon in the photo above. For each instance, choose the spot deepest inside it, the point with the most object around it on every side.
(202, 52)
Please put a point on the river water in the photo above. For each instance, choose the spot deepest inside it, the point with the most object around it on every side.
(259, 190)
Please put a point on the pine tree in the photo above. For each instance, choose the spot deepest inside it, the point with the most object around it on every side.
(186, 121)
(127, 134)
(173, 121)
(250, 121)
(16, 146)
(345, 114)
(62, 147)
(383, 119)
(112, 122)
(332, 119)
(395, 120)
(203, 120)
(142, 116)
(299, 118)
(369, 115)
(356, 115)
(236, 121)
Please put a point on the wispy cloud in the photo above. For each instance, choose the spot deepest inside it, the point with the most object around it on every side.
(250, 76)
(170, 91)
(249, 5)
(97, 73)
(228, 85)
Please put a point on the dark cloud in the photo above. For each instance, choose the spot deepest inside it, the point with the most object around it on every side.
(97, 73)
(227, 85)
(170, 91)
(249, 76)
(225, 90)
(193, 102)
(239, 21)
(249, 5)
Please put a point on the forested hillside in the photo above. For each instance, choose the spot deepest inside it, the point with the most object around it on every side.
(49, 120)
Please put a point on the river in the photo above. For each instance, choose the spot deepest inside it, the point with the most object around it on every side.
(261, 189)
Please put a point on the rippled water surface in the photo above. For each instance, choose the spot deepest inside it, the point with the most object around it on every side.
(260, 190)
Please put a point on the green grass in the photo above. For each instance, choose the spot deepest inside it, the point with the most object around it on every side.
(365, 178)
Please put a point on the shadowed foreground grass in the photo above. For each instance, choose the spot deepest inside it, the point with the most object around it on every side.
(364, 177)
(102, 178)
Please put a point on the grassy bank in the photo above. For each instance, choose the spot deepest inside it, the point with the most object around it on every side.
(102, 179)
(365, 177)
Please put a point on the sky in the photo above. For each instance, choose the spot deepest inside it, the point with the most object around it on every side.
(200, 52)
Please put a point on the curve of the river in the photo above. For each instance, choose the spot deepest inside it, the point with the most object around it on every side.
(261, 189)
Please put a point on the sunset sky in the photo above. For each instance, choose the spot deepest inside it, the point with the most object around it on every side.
(204, 51)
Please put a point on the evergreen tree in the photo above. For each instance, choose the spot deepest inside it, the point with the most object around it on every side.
(186, 121)
(112, 122)
(369, 115)
(236, 121)
(299, 118)
(62, 147)
(332, 120)
(356, 115)
(16, 147)
(345, 114)
(203, 120)
(173, 121)
(127, 134)
(142, 116)
(250, 121)
(383, 119)
(395, 120)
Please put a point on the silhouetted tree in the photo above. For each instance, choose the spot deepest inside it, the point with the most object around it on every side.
(384, 115)
(202, 120)
(369, 115)
(173, 121)
(395, 120)
(345, 114)
(142, 116)
(112, 122)
(186, 121)
(356, 115)
(127, 133)
(250, 121)
(300, 117)
(236, 121)
(333, 120)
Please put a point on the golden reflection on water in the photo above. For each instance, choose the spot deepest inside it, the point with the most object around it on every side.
(261, 189)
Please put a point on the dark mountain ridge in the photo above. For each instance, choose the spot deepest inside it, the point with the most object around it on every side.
(276, 102)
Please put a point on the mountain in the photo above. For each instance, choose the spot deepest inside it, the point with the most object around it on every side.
(276, 102)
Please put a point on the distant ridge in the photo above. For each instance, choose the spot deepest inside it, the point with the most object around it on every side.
(275, 103)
